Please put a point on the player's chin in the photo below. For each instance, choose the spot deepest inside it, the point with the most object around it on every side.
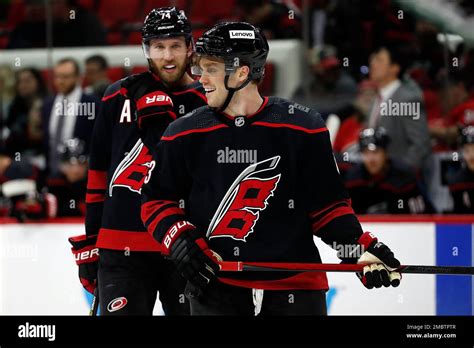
(171, 77)
(213, 102)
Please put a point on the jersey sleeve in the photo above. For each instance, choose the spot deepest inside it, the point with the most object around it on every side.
(168, 184)
(329, 206)
(99, 160)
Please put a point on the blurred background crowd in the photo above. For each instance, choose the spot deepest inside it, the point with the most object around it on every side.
(395, 86)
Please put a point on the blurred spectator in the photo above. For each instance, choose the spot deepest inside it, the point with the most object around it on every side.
(429, 51)
(23, 123)
(381, 184)
(457, 104)
(399, 106)
(391, 24)
(72, 25)
(341, 24)
(7, 93)
(19, 196)
(461, 183)
(275, 18)
(347, 138)
(96, 75)
(69, 114)
(331, 88)
(69, 185)
(11, 170)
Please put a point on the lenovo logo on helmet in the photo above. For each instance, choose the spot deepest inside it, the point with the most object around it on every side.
(242, 34)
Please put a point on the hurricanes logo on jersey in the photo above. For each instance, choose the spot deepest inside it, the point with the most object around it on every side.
(134, 170)
(247, 197)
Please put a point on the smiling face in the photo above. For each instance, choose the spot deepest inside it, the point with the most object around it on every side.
(212, 78)
(170, 58)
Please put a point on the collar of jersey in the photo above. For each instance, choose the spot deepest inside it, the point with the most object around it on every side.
(230, 120)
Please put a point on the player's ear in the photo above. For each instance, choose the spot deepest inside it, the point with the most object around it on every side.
(190, 51)
(243, 72)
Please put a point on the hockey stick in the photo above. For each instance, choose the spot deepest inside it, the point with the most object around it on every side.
(239, 266)
(95, 303)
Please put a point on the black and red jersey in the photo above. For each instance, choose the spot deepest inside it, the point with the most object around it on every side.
(461, 187)
(261, 186)
(120, 163)
(395, 191)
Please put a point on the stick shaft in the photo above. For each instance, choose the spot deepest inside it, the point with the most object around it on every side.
(95, 303)
(238, 266)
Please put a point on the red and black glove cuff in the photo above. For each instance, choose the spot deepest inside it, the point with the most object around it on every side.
(366, 240)
(153, 106)
(84, 249)
(173, 234)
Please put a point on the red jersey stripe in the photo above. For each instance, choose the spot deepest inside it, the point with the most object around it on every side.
(127, 240)
(339, 211)
(122, 91)
(94, 197)
(96, 180)
(292, 126)
(202, 130)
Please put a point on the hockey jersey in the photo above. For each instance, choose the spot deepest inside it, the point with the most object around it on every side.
(396, 191)
(120, 163)
(260, 185)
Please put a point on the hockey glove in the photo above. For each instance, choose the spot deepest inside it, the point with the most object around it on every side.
(154, 108)
(188, 249)
(87, 259)
(381, 263)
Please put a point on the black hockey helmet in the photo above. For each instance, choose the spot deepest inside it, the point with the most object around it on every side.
(165, 22)
(237, 44)
(372, 138)
(466, 135)
(72, 151)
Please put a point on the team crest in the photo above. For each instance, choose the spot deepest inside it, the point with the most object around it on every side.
(134, 170)
(246, 198)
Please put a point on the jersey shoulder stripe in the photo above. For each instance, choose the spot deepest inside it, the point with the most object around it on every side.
(197, 121)
(114, 90)
(282, 112)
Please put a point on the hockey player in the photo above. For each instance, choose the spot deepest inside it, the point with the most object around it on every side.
(381, 184)
(461, 183)
(130, 267)
(258, 178)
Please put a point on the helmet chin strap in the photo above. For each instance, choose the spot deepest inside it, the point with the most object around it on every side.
(231, 92)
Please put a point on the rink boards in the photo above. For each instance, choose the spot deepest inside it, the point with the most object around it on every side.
(38, 274)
